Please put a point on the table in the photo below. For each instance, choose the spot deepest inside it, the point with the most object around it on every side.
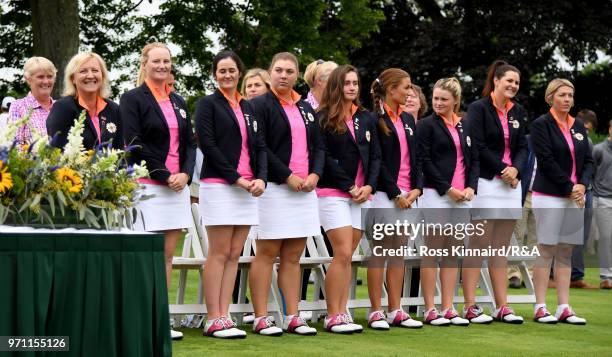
(106, 290)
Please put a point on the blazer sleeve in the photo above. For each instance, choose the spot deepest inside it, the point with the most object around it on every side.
(333, 171)
(318, 162)
(547, 165)
(189, 141)
(260, 147)
(434, 177)
(59, 121)
(274, 163)
(477, 118)
(522, 150)
(132, 134)
(118, 141)
(375, 156)
(205, 124)
(474, 172)
(587, 165)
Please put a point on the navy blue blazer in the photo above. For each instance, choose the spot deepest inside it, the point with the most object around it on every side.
(146, 131)
(554, 157)
(342, 153)
(390, 149)
(277, 133)
(438, 157)
(67, 110)
(527, 169)
(221, 140)
(488, 136)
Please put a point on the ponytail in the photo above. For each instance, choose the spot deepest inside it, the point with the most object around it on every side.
(497, 69)
(378, 98)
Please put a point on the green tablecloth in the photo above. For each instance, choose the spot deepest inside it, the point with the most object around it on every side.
(106, 291)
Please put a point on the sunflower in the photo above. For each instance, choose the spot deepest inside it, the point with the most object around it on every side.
(69, 180)
(6, 182)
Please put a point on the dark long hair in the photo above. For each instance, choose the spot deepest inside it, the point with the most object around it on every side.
(497, 69)
(332, 104)
(388, 79)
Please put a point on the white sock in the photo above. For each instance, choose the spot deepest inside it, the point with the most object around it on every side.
(392, 314)
(560, 308)
(288, 317)
(537, 307)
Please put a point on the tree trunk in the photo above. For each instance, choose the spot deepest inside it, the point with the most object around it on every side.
(55, 28)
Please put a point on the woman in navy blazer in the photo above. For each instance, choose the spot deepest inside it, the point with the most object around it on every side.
(158, 132)
(498, 128)
(450, 169)
(352, 163)
(400, 183)
(86, 88)
(565, 166)
(233, 175)
(288, 209)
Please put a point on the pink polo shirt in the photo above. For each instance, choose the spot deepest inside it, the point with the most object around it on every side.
(172, 158)
(360, 176)
(503, 118)
(244, 163)
(567, 135)
(458, 180)
(403, 177)
(298, 162)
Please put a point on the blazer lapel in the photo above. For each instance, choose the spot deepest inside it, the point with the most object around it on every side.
(493, 112)
(558, 132)
(280, 109)
(440, 122)
(155, 106)
(89, 123)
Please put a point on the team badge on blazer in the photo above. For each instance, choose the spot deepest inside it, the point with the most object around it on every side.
(183, 113)
(310, 117)
(247, 118)
(579, 136)
(357, 124)
(304, 116)
(515, 123)
(468, 140)
(255, 125)
(368, 135)
(111, 128)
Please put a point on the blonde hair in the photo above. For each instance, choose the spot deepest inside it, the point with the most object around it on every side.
(318, 69)
(35, 64)
(262, 73)
(453, 87)
(288, 56)
(144, 57)
(554, 86)
(73, 66)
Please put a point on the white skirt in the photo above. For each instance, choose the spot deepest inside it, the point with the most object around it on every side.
(165, 211)
(284, 213)
(442, 209)
(384, 210)
(337, 212)
(222, 204)
(558, 220)
(497, 200)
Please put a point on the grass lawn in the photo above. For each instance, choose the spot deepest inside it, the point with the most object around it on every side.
(497, 339)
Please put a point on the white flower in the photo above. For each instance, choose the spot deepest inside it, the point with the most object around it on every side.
(255, 125)
(183, 113)
(74, 147)
(111, 128)
(468, 140)
(515, 124)
(579, 136)
(368, 135)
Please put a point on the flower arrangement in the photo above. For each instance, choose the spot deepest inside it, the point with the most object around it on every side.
(40, 184)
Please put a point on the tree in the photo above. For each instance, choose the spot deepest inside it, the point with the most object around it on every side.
(55, 29)
(434, 40)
